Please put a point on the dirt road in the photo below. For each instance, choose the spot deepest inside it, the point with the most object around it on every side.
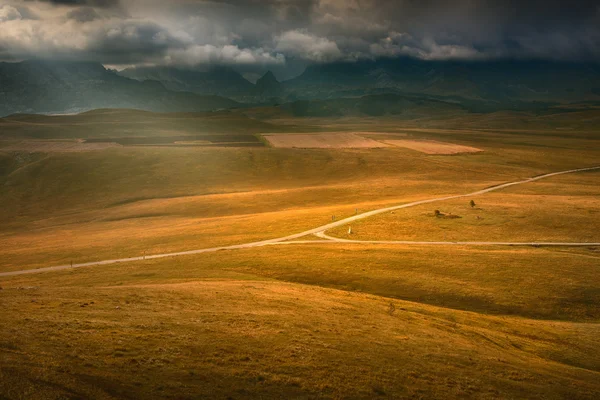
(321, 229)
(425, 243)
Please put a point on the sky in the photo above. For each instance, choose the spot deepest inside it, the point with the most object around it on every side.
(287, 35)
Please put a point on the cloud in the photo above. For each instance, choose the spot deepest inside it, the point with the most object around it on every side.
(308, 46)
(84, 14)
(85, 33)
(228, 55)
(104, 40)
(9, 13)
(403, 44)
(297, 32)
(91, 3)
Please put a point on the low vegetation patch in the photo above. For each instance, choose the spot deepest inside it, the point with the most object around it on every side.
(54, 146)
(222, 140)
(439, 214)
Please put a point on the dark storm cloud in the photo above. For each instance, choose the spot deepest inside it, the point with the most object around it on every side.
(84, 33)
(471, 29)
(271, 32)
(84, 14)
(132, 42)
(91, 3)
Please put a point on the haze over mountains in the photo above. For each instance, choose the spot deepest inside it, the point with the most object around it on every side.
(372, 87)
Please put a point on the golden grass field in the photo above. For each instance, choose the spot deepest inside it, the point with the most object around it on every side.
(271, 322)
(560, 209)
(320, 320)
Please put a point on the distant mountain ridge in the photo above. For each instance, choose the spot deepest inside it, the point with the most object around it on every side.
(221, 81)
(483, 86)
(268, 85)
(500, 84)
(491, 81)
(69, 87)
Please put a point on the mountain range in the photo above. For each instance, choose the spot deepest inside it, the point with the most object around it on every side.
(385, 85)
(490, 81)
(222, 81)
(71, 87)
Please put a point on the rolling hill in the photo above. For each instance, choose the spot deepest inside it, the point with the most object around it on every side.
(396, 105)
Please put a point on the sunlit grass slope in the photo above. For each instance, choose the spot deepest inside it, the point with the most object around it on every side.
(529, 282)
(244, 337)
(327, 320)
(562, 209)
(62, 207)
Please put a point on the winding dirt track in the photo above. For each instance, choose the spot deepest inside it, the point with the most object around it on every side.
(320, 231)
(425, 243)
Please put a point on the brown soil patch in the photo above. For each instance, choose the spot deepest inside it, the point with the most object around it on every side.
(432, 146)
(346, 140)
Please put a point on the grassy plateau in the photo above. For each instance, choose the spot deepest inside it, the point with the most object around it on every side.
(314, 320)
